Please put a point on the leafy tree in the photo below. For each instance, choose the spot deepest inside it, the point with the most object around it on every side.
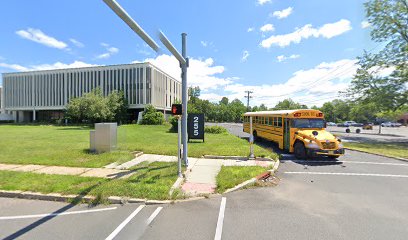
(194, 93)
(388, 20)
(289, 104)
(93, 107)
(151, 116)
(224, 101)
(118, 104)
(262, 107)
(328, 111)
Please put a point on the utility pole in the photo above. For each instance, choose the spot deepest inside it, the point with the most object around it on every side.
(248, 97)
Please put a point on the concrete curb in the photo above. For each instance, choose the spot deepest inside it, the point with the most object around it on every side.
(225, 157)
(176, 185)
(56, 197)
(253, 180)
(377, 154)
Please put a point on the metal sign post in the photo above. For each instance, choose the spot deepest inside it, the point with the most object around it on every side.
(251, 140)
(179, 149)
(183, 60)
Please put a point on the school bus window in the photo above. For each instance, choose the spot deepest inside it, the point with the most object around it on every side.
(279, 122)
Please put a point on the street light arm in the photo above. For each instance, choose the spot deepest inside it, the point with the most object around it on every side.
(171, 48)
(131, 23)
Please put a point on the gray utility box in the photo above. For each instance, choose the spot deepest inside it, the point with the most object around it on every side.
(104, 138)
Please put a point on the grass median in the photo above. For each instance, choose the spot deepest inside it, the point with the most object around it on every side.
(151, 181)
(387, 149)
(69, 145)
(230, 176)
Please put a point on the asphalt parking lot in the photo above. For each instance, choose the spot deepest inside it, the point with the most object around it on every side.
(360, 196)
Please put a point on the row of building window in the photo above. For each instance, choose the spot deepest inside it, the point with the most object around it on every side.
(268, 121)
(56, 89)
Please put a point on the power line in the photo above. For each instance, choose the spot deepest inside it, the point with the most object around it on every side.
(314, 83)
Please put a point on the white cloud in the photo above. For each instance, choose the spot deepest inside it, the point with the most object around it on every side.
(245, 55)
(262, 2)
(38, 36)
(56, 65)
(282, 58)
(213, 97)
(365, 24)
(323, 81)
(15, 67)
(250, 29)
(204, 43)
(77, 43)
(109, 51)
(267, 28)
(327, 31)
(202, 73)
(283, 13)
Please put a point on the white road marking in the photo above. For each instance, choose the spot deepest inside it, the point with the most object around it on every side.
(220, 222)
(56, 214)
(123, 224)
(350, 174)
(154, 214)
(358, 162)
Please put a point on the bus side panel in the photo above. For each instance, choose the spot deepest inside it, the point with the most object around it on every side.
(271, 133)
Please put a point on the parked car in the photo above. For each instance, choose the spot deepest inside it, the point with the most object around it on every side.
(390, 124)
(349, 124)
(331, 124)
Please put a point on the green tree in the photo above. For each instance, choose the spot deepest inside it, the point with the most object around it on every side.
(92, 107)
(151, 116)
(118, 105)
(388, 20)
(289, 104)
(328, 111)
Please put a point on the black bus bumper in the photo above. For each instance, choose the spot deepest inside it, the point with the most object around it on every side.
(316, 152)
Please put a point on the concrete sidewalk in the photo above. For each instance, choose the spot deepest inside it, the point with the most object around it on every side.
(61, 170)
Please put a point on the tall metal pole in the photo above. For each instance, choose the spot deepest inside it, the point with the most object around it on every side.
(184, 97)
(179, 146)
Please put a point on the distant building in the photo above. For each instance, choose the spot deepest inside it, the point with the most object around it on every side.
(43, 95)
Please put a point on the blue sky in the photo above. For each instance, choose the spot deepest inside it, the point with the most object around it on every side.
(305, 50)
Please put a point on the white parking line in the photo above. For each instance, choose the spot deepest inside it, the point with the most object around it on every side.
(350, 174)
(220, 222)
(154, 214)
(56, 214)
(123, 224)
(358, 162)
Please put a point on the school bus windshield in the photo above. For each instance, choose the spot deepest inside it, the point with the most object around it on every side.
(308, 123)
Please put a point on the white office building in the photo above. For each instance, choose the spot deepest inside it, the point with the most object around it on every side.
(43, 95)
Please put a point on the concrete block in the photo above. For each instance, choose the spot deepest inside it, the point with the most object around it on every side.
(105, 137)
(92, 147)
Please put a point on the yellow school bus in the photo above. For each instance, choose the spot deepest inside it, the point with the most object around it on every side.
(301, 132)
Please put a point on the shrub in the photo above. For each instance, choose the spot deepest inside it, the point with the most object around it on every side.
(215, 130)
(174, 124)
(152, 117)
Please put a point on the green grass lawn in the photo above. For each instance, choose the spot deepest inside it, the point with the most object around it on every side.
(388, 149)
(152, 181)
(68, 146)
(231, 176)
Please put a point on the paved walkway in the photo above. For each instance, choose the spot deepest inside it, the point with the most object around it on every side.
(61, 170)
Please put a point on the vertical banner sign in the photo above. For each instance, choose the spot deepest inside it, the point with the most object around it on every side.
(195, 126)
